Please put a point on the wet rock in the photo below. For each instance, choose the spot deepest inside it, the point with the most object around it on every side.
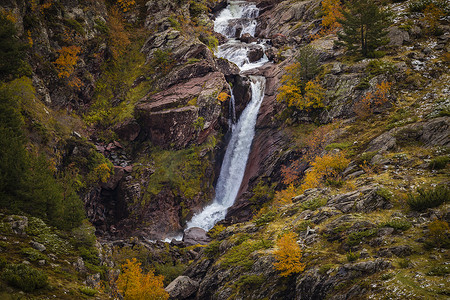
(182, 287)
(195, 236)
(255, 54)
(247, 38)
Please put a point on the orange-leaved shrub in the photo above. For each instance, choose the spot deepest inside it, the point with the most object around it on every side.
(223, 96)
(332, 10)
(288, 255)
(372, 100)
(135, 285)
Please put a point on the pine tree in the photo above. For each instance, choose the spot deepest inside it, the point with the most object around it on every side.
(364, 27)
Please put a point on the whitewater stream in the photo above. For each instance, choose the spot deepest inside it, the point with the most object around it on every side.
(238, 16)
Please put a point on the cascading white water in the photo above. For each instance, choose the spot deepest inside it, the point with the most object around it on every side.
(235, 161)
(243, 14)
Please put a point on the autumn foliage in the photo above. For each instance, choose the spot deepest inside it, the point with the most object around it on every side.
(66, 62)
(297, 93)
(324, 167)
(332, 10)
(372, 100)
(135, 285)
(118, 37)
(288, 255)
(223, 96)
(126, 5)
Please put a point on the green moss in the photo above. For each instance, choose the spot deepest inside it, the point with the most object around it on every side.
(182, 171)
(384, 193)
(240, 255)
(169, 271)
(325, 268)
(340, 146)
(212, 250)
(88, 291)
(75, 25)
(314, 203)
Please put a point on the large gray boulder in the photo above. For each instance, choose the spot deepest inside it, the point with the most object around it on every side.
(195, 236)
(182, 287)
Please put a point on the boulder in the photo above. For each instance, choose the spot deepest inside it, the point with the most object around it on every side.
(365, 199)
(195, 236)
(247, 38)
(18, 224)
(127, 130)
(167, 118)
(114, 180)
(255, 54)
(429, 133)
(182, 287)
(397, 37)
(38, 246)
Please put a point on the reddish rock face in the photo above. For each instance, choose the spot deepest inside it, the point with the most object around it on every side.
(166, 119)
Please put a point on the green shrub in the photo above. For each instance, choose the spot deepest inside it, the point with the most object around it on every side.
(366, 157)
(387, 276)
(240, 255)
(420, 5)
(356, 237)
(169, 271)
(3, 263)
(88, 291)
(428, 198)
(11, 51)
(439, 162)
(265, 218)
(75, 25)
(441, 270)
(340, 146)
(314, 203)
(324, 269)
(25, 277)
(377, 67)
(397, 224)
(212, 250)
(384, 193)
(90, 255)
(250, 282)
(404, 263)
(32, 254)
(351, 257)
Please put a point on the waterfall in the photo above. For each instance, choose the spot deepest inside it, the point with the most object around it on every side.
(237, 15)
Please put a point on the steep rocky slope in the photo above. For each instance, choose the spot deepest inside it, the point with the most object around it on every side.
(142, 99)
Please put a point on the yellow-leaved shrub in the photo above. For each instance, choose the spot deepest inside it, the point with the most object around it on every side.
(135, 285)
(288, 255)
